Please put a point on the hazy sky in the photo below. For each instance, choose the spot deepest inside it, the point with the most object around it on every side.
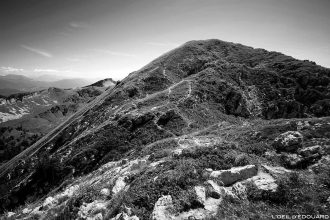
(110, 38)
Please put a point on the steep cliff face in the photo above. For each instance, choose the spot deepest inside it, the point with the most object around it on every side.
(204, 107)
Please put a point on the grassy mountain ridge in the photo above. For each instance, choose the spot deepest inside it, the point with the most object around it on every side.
(200, 106)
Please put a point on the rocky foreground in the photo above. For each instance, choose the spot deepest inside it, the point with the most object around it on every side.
(210, 130)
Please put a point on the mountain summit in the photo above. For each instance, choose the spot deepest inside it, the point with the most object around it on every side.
(209, 130)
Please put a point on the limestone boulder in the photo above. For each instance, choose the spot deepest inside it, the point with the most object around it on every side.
(235, 174)
(289, 141)
(162, 208)
(265, 182)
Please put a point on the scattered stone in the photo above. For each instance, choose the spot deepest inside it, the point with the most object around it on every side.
(124, 161)
(289, 141)
(229, 177)
(105, 191)
(89, 210)
(49, 202)
(194, 214)
(201, 195)
(322, 164)
(240, 190)
(224, 192)
(37, 210)
(271, 154)
(161, 208)
(292, 160)
(138, 164)
(26, 211)
(69, 191)
(309, 151)
(98, 216)
(265, 182)
(10, 214)
(154, 164)
(177, 152)
(276, 171)
(325, 149)
(124, 216)
(119, 185)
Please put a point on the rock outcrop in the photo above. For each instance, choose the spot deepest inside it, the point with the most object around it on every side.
(228, 177)
(289, 141)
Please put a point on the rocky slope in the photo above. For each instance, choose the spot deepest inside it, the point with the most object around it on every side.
(209, 130)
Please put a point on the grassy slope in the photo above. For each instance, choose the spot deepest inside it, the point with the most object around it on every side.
(198, 86)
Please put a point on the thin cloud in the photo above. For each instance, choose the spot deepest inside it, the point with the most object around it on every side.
(162, 44)
(9, 69)
(73, 59)
(115, 53)
(37, 51)
(74, 24)
(52, 71)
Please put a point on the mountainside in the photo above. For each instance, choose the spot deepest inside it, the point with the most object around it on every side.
(25, 117)
(206, 131)
(11, 84)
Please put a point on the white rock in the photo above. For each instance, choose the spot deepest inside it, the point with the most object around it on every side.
(26, 211)
(288, 141)
(69, 192)
(200, 193)
(228, 177)
(239, 190)
(154, 164)
(224, 192)
(36, 210)
(49, 202)
(177, 152)
(124, 216)
(195, 214)
(139, 164)
(264, 181)
(9, 214)
(119, 185)
(161, 208)
(276, 170)
(98, 216)
(88, 210)
(105, 191)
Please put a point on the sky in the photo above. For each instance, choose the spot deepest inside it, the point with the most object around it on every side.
(111, 38)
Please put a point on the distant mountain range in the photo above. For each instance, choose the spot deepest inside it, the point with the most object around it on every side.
(12, 83)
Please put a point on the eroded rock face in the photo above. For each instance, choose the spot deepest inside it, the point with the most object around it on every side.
(276, 171)
(119, 185)
(322, 164)
(228, 177)
(162, 207)
(292, 160)
(265, 182)
(289, 141)
(309, 151)
(92, 210)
